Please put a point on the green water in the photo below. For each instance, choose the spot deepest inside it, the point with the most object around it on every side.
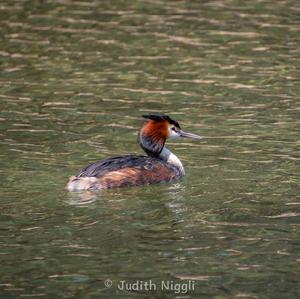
(75, 78)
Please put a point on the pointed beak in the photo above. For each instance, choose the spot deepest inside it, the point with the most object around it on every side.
(189, 135)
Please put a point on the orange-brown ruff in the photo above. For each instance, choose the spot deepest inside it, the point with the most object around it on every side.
(134, 170)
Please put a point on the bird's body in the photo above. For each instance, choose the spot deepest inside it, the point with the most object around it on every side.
(161, 165)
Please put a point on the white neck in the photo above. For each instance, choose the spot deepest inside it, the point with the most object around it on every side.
(169, 157)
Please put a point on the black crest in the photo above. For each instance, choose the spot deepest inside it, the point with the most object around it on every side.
(157, 117)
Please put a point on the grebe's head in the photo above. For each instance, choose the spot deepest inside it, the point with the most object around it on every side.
(156, 130)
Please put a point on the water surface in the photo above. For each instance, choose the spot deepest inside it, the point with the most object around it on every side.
(75, 78)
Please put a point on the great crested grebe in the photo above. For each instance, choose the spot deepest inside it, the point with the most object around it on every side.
(161, 165)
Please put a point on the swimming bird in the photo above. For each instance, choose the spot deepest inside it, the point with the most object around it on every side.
(160, 164)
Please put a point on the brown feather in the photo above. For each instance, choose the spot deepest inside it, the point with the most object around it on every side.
(157, 130)
(136, 177)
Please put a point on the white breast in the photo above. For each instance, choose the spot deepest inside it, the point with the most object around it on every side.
(169, 157)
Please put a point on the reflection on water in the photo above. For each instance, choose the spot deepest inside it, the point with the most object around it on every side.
(75, 78)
